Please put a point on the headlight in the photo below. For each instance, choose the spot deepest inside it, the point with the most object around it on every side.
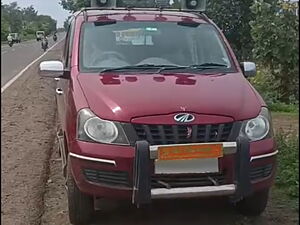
(92, 128)
(100, 130)
(259, 127)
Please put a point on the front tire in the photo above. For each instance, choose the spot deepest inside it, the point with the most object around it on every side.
(81, 206)
(255, 204)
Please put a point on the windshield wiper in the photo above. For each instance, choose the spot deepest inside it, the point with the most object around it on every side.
(203, 66)
(141, 67)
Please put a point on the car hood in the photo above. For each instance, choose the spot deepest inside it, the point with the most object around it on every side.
(126, 97)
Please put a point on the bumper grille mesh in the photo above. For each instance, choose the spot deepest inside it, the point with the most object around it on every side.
(175, 181)
(261, 172)
(113, 178)
(179, 134)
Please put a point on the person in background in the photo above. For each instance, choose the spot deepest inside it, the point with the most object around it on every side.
(45, 43)
(9, 38)
(55, 36)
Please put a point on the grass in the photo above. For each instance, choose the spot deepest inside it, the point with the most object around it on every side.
(282, 107)
(28, 37)
(291, 115)
(287, 179)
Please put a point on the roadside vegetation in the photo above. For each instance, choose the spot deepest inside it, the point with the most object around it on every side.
(266, 32)
(24, 21)
(287, 179)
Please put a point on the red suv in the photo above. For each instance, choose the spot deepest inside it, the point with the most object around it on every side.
(153, 104)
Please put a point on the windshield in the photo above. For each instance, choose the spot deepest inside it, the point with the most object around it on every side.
(126, 44)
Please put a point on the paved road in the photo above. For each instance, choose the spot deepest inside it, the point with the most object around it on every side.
(16, 58)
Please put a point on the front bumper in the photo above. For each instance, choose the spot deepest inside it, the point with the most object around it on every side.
(241, 168)
(206, 191)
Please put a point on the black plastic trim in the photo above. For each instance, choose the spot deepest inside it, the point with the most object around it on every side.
(142, 174)
(242, 170)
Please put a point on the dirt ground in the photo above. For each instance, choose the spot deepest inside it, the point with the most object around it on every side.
(192, 212)
(27, 133)
(33, 193)
(286, 121)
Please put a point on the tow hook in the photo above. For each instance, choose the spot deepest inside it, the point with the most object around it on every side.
(215, 182)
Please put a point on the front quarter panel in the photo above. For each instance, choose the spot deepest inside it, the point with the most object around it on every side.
(75, 102)
(76, 99)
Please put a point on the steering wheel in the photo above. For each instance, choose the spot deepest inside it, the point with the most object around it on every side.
(106, 55)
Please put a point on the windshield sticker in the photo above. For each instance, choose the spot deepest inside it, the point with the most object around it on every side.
(151, 29)
(134, 36)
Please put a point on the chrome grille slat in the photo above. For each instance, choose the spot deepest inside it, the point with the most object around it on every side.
(177, 134)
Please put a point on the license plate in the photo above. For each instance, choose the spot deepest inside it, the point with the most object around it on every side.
(209, 165)
(185, 152)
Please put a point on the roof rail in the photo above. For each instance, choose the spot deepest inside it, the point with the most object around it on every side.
(161, 5)
(86, 9)
(138, 9)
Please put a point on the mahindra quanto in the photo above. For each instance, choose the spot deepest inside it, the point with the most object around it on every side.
(153, 104)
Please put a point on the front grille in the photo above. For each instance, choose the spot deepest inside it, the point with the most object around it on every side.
(178, 134)
(197, 180)
(260, 172)
(113, 178)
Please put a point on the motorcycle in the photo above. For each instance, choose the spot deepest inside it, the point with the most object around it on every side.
(44, 45)
(54, 38)
(10, 43)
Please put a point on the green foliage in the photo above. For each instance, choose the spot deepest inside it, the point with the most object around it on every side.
(288, 163)
(24, 21)
(66, 23)
(282, 107)
(74, 5)
(267, 85)
(275, 34)
(233, 18)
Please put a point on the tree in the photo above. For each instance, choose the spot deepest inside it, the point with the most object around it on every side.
(66, 24)
(276, 34)
(24, 21)
(233, 18)
(29, 13)
(74, 5)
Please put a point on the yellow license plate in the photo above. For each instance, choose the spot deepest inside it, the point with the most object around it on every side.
(190, 152)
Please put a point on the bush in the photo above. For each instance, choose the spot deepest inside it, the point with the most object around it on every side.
(282, 107)
(276, 34)
(288, 163)
(267, 85)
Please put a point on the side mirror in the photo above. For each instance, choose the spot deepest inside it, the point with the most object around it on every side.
(52, 69)
(249, 69)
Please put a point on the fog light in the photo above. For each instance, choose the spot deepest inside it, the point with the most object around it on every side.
(191, 4)
(102, 2)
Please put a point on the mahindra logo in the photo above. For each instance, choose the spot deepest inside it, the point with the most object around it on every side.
(184, 118)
